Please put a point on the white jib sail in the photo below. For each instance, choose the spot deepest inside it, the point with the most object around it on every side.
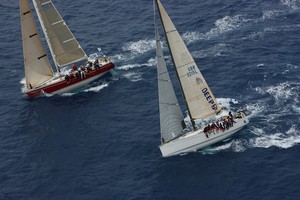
(170, 112)
(36, 62)
(64, 47)
(200, 100)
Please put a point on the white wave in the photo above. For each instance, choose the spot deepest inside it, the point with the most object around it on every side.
(296, 109)
(190, 37)
(262, 140)
(140, 47)
(260, 65)
(238, 146)
(217, 50)
(91, 89)
(294, 4)
(67, 94)
(255, 109)
(291, 66)
(257, 131)
(229, 145)
(254, 36)
(134, 49)
(280, 92)
(287, 140)
(213, 150)
(225, 102)
(133, 76)
(269, 14)
(151, 62)
(97, 88)
(222, 26)
(129, 66)
(121, 58)
(269, 30)
(23, 83)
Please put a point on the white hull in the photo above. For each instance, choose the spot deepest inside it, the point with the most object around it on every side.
(192, 141)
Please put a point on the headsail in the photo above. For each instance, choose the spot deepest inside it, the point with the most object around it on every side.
(64, 47)
(199, 98)
(36, 62)
(170, 112)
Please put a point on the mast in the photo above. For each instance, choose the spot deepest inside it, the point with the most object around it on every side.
(182, 91)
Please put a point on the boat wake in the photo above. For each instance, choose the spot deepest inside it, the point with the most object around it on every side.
(97, 88)
(262, 139)
(90, 89)
(268, 127)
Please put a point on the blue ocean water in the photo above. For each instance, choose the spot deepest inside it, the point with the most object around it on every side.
(102, 143)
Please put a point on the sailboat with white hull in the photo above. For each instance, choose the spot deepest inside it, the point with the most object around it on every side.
(200, 101)
(64, 48)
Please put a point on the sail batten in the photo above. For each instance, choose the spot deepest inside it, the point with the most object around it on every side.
(36, 63)
(200, 100)
(69, 40)
(57, 22)
(63, 46)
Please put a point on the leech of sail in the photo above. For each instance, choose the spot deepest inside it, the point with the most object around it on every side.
(37, 69)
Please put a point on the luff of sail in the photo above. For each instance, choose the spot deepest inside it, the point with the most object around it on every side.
(64, 47)
(36, 62)
(198, 96)
(170, 112)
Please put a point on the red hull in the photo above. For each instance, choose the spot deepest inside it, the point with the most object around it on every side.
(63, 83)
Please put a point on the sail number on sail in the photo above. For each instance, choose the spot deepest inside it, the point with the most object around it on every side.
(191, 71)
(209, 99)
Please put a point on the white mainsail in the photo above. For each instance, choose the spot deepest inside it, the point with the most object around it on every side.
(199, 98)
(170, 112)
(36, 62)
(64, 47)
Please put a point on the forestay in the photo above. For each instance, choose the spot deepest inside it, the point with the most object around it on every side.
(170, 112)
(36, 62)
(64, 47)
(198, 96)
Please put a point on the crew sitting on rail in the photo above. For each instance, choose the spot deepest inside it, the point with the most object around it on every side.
(222, 124)
(96, 64)
(74, 67)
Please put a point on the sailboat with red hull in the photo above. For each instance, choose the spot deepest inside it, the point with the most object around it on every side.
(65, 51)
